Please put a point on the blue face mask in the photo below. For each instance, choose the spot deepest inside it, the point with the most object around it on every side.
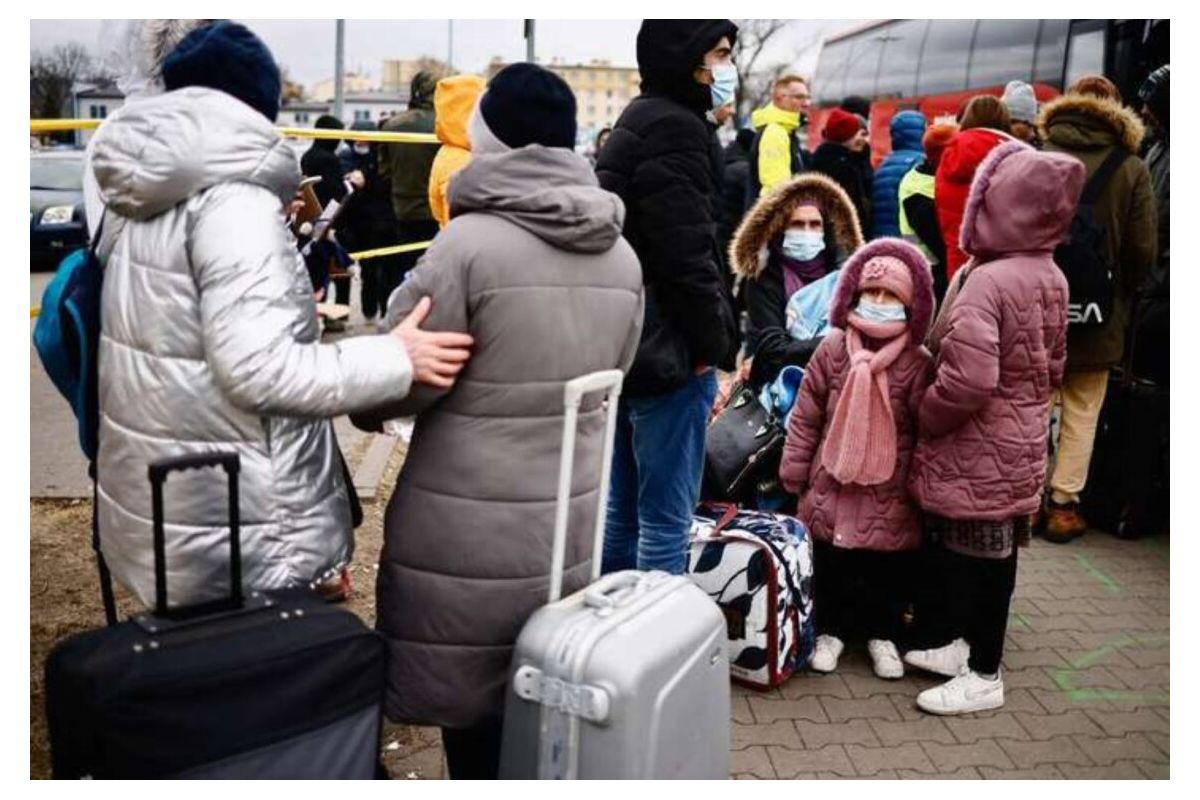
(875, 312)
(803, 245)
(724, 85)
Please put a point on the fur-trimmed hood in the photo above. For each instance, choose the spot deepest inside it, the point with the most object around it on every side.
(769, 217)
(920, 313)
(1022, 200)
(1084, 122)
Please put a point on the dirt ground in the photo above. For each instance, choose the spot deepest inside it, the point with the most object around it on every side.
(64, 599)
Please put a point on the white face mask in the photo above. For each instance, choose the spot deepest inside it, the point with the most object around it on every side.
(362, 149)
(879, 312)
(803, 245)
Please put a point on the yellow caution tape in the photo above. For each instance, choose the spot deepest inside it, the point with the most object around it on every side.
(51, 125)
(48, 125)
(389, 251)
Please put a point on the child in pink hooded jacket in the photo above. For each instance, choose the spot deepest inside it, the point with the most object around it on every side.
(850, 439)
(1000, 344)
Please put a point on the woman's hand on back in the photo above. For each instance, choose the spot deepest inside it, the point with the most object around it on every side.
(437, 358)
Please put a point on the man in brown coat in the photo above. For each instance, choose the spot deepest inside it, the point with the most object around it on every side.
(1088, 122)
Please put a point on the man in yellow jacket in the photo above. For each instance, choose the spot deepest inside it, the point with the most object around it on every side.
(453, 101)
(776, 154)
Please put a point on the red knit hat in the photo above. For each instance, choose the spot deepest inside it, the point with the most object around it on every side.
(890, 273)
(840, 126)
(936, 139)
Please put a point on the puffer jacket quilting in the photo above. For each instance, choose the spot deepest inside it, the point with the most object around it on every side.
(1000, 346)
(210, 343)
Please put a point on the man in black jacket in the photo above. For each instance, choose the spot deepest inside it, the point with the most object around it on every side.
(659, 160)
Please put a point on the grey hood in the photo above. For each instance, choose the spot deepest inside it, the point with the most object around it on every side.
(549, 191)
(154, 154)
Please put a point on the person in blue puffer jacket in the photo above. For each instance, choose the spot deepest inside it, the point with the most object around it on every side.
(907, 129)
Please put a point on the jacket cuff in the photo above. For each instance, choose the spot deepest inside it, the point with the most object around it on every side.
(376, 370)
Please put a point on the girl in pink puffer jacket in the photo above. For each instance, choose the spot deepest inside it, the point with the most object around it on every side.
(1000, 347)
(850, 439)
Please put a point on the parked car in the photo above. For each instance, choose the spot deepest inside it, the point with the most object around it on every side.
(56, 219)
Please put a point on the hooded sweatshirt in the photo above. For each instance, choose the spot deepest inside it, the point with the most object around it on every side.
(533, 265)
(776, 153)
(453, 103)
(660, 162)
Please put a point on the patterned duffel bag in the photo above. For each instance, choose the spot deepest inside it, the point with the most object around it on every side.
(757, 566)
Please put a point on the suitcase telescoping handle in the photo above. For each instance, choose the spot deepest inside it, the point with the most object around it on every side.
(159, 471)
(608, 381)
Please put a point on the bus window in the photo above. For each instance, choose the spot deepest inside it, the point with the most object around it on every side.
(831, 71)
(1051, 52)
(1085, 54)
(863, 65)
(944, 57)
(898, 63)
(1003, 52)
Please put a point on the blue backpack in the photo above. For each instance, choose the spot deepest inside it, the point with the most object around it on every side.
(67, 337)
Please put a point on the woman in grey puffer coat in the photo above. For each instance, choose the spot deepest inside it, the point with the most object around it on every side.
(533, 265)
(210, 343)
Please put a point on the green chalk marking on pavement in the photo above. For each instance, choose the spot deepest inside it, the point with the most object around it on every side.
(1094, 657)
(1117, 696)
(1159, 545)
(1064, 678)
(1017, 620)
(1098, 574)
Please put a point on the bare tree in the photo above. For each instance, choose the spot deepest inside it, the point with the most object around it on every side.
(756, 77)
(753, 37)
(52, 76)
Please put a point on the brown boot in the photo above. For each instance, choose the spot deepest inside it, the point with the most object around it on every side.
(1064, 523)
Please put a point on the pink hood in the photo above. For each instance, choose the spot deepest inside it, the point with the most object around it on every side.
(920, 313)
(1021, 200)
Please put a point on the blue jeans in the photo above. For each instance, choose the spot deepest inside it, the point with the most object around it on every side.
(658, 462)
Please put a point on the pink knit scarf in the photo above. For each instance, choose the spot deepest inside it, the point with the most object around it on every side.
(860, 446)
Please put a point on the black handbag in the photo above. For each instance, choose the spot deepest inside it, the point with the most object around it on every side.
(742, 440)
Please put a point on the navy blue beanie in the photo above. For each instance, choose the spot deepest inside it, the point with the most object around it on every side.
(226, 56)
(525, 104)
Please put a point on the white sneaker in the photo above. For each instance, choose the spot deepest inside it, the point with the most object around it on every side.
(949, 660)
(886, 659)
(962, 695)
(825, 656)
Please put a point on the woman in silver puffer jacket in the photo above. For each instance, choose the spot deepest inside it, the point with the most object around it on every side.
(210, 337)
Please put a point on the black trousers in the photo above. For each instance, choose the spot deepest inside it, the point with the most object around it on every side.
(341, 291)
(977, 593)
(859, 592)
(474, 753)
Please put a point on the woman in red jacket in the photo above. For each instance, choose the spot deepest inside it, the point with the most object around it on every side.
(1000, 346)
(983, 124)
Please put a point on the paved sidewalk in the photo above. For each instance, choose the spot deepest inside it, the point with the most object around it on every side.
(1086, 676)
(1087, 681)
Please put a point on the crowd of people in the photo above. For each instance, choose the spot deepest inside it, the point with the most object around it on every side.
(916, 451)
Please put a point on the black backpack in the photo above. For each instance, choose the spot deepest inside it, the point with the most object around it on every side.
(1083, 255)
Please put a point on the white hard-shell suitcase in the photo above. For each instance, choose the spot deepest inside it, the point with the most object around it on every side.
(627, 678)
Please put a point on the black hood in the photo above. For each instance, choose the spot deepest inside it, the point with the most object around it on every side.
(668, 52)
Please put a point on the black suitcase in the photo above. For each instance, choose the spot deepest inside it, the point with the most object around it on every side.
(273, 685)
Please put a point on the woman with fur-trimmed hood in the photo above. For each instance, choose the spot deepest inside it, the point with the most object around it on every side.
(1090, 123)
(793, 236)
(850, 439)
